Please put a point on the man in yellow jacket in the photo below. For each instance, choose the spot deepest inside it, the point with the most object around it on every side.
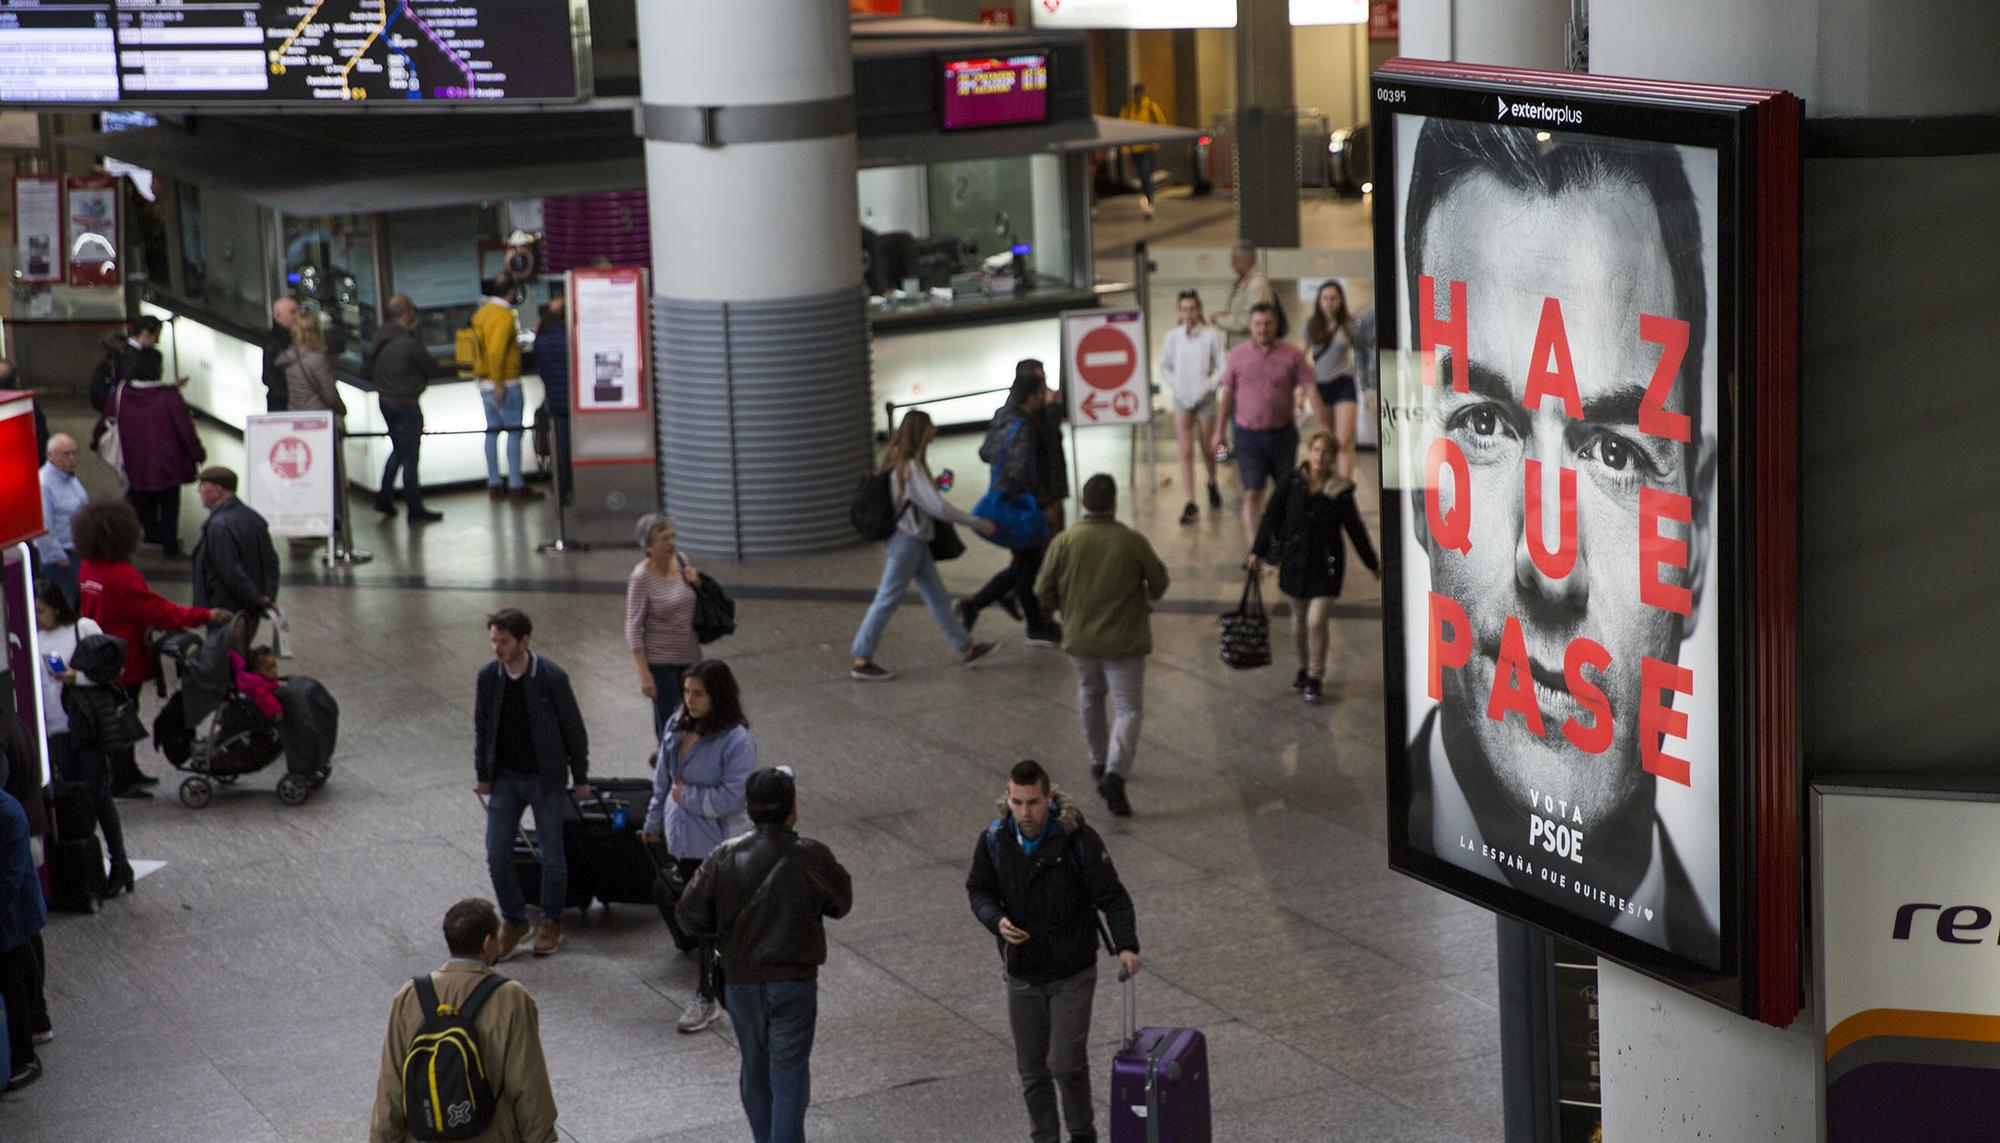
(507, 1026)
(1142, 109)
(496, 363)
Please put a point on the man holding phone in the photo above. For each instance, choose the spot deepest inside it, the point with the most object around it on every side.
(1040, 877)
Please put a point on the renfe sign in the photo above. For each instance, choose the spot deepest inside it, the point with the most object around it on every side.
(994, 92)
(1905, 902)
(1589, 480)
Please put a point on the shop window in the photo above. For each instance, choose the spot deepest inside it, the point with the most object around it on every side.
(329, 266)
(435, 256)
(222, 255)
(967, 232)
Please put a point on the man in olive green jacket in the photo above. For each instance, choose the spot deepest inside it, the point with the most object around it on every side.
(1103, 577)
(508, 1026)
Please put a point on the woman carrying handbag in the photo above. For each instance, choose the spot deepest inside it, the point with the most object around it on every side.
(1301, 533)
(918, 507)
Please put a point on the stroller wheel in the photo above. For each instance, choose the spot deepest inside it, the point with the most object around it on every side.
(294, 789)
(196, 792)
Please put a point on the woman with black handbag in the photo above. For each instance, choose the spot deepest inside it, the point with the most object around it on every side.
(919, 507)
(660, 597)
(1300, 533)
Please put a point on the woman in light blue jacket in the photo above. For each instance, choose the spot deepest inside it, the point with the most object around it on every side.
(706, 758)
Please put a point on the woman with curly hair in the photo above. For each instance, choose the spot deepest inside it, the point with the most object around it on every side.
(114, 594)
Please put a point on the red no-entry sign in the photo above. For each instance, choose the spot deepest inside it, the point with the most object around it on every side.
(1106, 352)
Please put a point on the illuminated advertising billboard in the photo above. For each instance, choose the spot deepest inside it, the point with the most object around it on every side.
(1587, 310)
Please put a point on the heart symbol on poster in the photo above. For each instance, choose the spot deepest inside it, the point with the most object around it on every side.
(1649, 914)
(1051, 5)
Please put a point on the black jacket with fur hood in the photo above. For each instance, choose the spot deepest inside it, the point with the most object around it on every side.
(1054, 894)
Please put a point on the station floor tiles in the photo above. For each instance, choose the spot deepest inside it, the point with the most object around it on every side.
(240, 994)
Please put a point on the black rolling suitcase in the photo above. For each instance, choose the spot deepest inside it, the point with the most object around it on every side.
(607, 861)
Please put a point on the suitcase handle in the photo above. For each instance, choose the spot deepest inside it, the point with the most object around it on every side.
(1131, 1021)
(521, 833)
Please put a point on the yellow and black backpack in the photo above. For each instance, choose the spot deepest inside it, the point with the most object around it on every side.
(447, 1093)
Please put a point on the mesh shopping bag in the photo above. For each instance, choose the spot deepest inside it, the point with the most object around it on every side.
(1246, 631)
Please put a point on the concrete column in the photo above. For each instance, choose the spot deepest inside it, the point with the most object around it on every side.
(759, 322)
(1267, 136)
(1512, 33)
(1902, 229)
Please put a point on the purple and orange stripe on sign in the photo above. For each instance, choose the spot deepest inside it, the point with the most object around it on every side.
(1898, 1073)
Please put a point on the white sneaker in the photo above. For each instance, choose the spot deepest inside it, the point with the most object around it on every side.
(700, 1015)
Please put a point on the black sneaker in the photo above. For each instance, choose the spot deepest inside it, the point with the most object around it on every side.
(425, 516)
(132, 792)
(1214, 496)
(1112, 789)
(978, 651)
(1048, 636)
(1096, 772)
(1313, 691)
(967, 615)
(386, 509)
(1012, 609)
(140, 777)
(24, 1075)
(1190, 513)
(1300, 680)
(870, 673)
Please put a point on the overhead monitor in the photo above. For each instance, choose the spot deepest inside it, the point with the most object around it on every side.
(996, 91)
(325, 53)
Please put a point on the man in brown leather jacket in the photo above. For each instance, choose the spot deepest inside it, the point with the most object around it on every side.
(764, 898)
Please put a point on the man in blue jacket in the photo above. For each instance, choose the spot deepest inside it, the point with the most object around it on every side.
(528, 747)
(22, 915)
(552, 362)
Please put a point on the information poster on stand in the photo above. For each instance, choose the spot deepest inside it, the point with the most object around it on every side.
(607, 339)
(289, 477)
(38, 218)
(93, 230)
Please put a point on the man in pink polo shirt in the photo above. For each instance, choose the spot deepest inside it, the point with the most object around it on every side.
(1261, 385)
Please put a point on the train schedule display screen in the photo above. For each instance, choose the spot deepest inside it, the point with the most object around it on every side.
(996, 92)
(287, 52)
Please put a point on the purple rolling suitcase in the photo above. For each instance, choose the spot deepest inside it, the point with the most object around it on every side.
(1159, 1084)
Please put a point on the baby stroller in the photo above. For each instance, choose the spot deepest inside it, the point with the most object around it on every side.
(212, 730)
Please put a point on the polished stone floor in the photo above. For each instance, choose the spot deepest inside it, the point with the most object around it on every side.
(240, 995)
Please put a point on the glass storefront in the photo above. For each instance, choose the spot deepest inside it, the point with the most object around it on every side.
(223, 268)
(966, 232)
(329, 268)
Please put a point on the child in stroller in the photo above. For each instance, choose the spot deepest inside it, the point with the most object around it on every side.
(217, 731)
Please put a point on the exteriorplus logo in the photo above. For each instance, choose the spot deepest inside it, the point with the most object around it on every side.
(1539, 112)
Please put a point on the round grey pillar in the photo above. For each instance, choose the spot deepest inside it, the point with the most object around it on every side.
(760, 329)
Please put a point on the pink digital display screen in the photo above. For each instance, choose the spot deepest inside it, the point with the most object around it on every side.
(996, 91)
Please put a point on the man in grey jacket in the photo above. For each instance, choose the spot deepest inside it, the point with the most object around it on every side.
(235, 565)
(402, 369)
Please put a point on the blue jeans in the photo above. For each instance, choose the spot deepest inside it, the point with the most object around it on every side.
(63, 576)
(513, 793)
(774, 1030)
(666, 692)
(909, 559)
(405, 424)
(503, 407)
(1143, 164)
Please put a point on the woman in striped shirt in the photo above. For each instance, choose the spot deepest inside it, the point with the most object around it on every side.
(659, 617)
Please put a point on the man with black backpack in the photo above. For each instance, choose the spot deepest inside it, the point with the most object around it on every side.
(463, 1057)
(1040, 877)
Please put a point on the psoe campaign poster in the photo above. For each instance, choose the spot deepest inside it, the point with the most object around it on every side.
(1905, 907)
(1579, 704)
(289, 474)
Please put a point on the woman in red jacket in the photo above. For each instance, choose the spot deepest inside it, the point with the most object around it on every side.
(112, 592)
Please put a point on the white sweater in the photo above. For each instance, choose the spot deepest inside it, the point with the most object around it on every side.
(1192, 364)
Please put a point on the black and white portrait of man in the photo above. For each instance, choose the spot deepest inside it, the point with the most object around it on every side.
(1555, 457)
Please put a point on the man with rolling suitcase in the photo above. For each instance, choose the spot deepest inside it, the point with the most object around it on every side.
(529, 745)
(1040, 877)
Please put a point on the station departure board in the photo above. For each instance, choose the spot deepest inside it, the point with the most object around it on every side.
(286, 52)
